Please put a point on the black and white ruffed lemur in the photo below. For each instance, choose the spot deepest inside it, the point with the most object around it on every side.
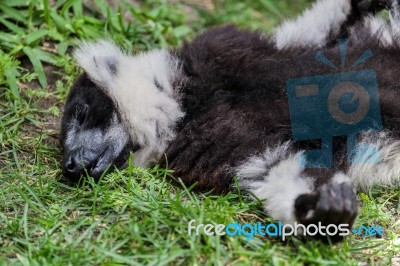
(218, 108)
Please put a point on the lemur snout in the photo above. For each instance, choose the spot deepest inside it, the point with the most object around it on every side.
(82, 161)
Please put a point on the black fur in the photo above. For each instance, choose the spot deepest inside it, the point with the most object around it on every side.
(86, 96)
(233, 91)
(236, 101)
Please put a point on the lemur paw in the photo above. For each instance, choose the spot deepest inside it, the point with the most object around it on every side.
(366, 6)
(331, 204)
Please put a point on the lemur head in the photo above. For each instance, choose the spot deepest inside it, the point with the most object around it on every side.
(120, 105)
(92, 134)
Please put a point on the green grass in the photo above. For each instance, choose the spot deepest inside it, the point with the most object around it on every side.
(135, 216)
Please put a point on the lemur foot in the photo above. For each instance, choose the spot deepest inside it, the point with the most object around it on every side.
(331, 204)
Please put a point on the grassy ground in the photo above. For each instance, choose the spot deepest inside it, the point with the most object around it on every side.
(134, 216)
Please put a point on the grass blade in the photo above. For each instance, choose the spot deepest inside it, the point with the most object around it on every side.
(35, 36)
(46, 11)
(12, 82)
(12, 13)
(37, 65)
(12, 26)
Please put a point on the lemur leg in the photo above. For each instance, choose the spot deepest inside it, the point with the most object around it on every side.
(377, 161)
(324, 22)
(293, 195)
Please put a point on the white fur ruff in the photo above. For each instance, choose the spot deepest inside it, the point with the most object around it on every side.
(148, 112)
(313, 27)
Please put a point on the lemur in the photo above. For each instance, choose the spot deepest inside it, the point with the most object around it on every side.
(217, 108)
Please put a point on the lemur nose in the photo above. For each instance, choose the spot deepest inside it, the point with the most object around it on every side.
(70, 164)
(71, 167)
(73, 164)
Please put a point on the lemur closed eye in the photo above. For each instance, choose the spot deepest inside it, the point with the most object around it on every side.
(218, 108)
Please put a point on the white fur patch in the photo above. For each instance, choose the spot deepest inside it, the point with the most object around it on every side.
(96, 58)
(340, 178)
(313, 27)
(141, 87)
(387, 33)
(365, 173)
(380, 29)
(275, 177)
(395, 20)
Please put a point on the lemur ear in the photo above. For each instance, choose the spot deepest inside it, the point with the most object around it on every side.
(101, 60)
